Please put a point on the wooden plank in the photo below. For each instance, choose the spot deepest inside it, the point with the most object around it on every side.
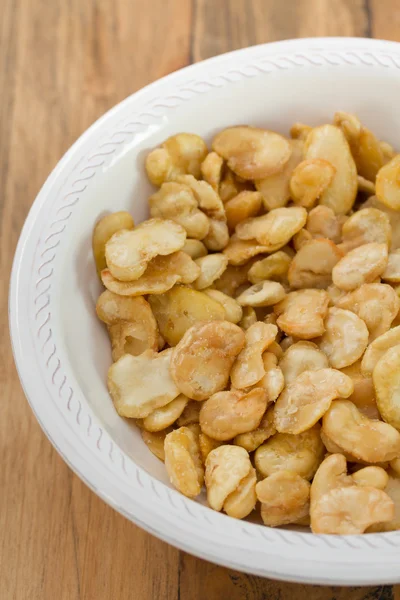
(223, 25)
(62, 64)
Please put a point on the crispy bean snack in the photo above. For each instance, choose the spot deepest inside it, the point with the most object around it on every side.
(254, 322)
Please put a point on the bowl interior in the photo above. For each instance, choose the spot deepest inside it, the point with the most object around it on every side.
(275, 100)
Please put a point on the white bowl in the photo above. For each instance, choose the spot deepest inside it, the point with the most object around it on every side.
(62, 351)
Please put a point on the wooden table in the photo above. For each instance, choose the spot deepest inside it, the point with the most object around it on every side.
(62, 64)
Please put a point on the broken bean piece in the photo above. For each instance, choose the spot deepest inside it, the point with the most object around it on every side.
(179, 155)
(386, 378)
(226, 467)
(274, 266)
(103, 231)
(211, 169)
(323, 223)
(365, 226)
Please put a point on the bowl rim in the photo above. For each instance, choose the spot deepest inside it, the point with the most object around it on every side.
(267, 558)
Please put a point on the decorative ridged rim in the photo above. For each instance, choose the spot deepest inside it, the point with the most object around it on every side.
(77, 415)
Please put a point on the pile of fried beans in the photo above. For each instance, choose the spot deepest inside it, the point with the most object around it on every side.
(254, 322)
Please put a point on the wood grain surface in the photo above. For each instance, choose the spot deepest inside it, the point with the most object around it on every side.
(62, 64)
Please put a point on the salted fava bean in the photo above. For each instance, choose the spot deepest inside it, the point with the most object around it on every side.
(180, 308)
(163, 417)
(371, 476)
(392, 489)
(376, 304)
(134, 389)
(248, 367)
(361, 265)
(211, 169)
(211, 268)
(388, 185)
(336, 501)
(243, 206)
(265, 293)
(111, 309)
(274, 266)
(248, 319)
(253, 439)
(309, 180)
(226, 467)
(367, 439)
(338, 511)
(301, 453)
(300, 357)
(128, 252)
(240, 252)
(275, 229)
(252, 153)
(233, 310)
(162, 273)
(378, 348)
(202, 360)
(190, 414)
(132, 338)
(387, 150)
(207, 444)
(195, 249)
(365, 186)
(392, 271)
(365, 226)
(364, 393)
(386, 378)
(365, 147)
(302, 313)
(273, 381)
(306, 400)
(104, 230)
(345, 337)
(183, 461)
(242, 501)
(313, 264)
(176, 202)
(275, 189)
(180, 154)
(328, 143)
(155, 442)
(284, 498)
(322, 222)
(227, 414)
